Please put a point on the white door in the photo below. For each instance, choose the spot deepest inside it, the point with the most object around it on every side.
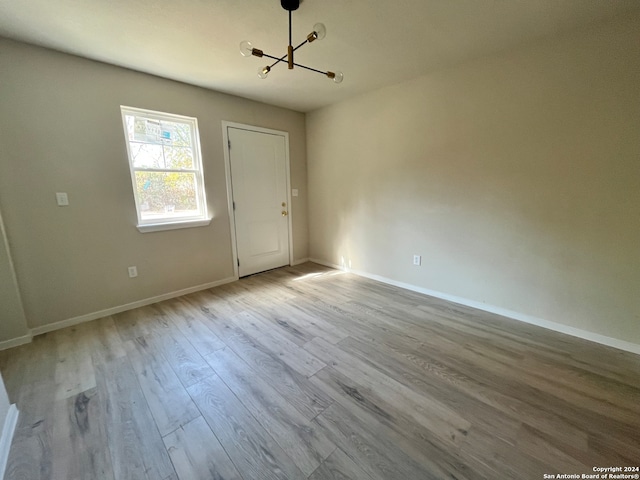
(259, 187)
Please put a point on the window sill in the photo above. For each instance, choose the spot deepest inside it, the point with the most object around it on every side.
(158, 227)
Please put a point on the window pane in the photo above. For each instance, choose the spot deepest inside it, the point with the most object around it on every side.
(178, 158)
(165, 195)
(144, 130)
(145, 155)
(176, 134)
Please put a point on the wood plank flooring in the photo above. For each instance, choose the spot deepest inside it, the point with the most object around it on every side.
(307, 372)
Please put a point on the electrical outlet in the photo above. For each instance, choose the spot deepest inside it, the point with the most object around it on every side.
(62, 199)
(417, 260)
(133, 272)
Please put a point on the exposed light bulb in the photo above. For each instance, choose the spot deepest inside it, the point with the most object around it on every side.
(335, 76)
(246, 49)
(264, 71)
(320, 31)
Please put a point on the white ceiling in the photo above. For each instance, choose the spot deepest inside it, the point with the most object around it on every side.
(374, 42)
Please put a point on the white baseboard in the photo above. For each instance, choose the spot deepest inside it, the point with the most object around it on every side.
(299, 261)
(14, 342)
(10, 423)
(521, 317)
(122, 308)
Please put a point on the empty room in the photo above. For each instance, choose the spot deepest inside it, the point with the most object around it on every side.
(306, 239)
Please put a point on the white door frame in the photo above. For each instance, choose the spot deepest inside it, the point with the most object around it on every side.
(227, 171)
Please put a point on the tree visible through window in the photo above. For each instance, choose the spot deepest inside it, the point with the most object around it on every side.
(166, 169)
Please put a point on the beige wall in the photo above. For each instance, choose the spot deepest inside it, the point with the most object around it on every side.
(517, 178)
(60, 131)
(13, 323)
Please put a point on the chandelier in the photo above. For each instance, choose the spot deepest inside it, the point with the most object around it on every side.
(319, 32)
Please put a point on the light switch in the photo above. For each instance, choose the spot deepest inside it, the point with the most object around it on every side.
(62, 199)
(294, 192)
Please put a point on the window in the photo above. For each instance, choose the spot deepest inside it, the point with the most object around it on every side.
(166, 169)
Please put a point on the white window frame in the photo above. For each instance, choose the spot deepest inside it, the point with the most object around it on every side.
(169, 223)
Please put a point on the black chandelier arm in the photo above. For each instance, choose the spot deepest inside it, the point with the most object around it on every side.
(284, 57)
(277, 60)
(309, 68)
(296, 48)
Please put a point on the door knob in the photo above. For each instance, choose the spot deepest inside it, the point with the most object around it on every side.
(284, 213)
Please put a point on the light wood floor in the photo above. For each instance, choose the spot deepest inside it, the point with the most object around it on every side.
(307, 372)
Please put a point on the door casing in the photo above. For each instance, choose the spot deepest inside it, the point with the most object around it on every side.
(227, 171)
